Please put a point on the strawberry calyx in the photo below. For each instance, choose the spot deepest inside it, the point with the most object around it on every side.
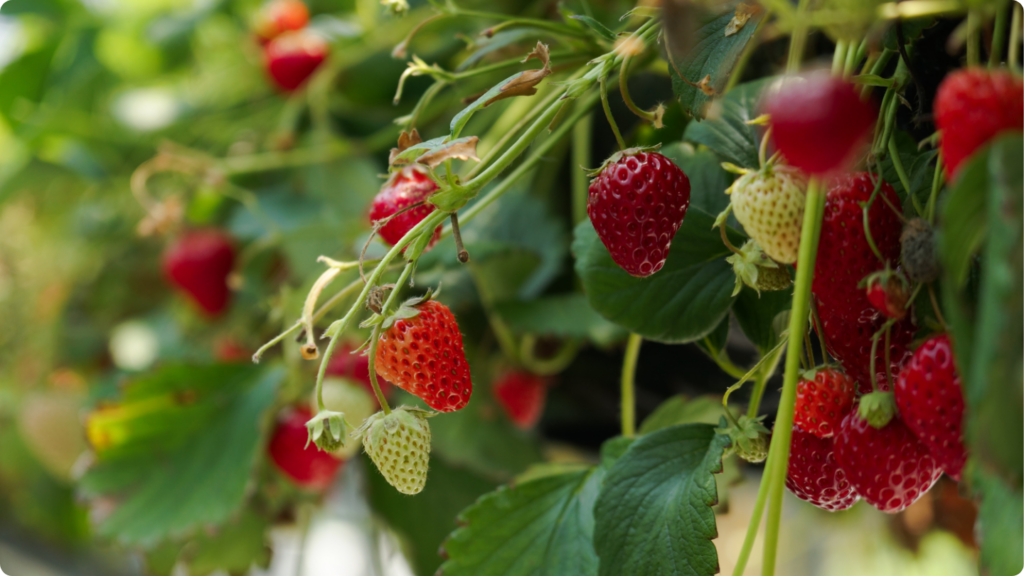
(749, 437)
(327, 430)
(595, 172)
(751, 264)
(389, 423)
(812, 373)
(407, 309)
(877, 408)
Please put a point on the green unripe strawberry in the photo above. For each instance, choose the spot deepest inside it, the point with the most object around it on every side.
(753, 268)
(399, 444)
(769, 203)
(749, 438)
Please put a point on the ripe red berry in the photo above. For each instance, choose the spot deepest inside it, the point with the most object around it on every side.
(636, 205)
(228, 350)
(307, 466)
(931, 402)
(279, 16)
(813, 474)
(423, 355)
(820, 124)
(972, 107)
(356, 367)
(292, 57)
(888, 293)
(522, 396)
(888, 467)
(822, 403)
(405, 188)
(199, 263)
(845, 259)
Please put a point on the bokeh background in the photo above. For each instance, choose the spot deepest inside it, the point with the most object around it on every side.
(92, 89)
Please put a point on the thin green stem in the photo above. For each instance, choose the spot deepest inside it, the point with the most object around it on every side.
(1016, 26)
(724, 362)
(853, 55)
(819, 329)
(755, 520)
(897, 163)
(624, 91)
(839, 58)
(937, 181)
(424, 101)
(608, 114)
(374, 342)
(547, 366)
(798, 38)
(764, 375)
(581, 152)
(509, 20)
(973, 38)
(998, 37)
(510, 133)
(520, 145)
(323, 368)
(783, 434)
(748, 51)
(628, 382)
(935, 306)
(267, 161)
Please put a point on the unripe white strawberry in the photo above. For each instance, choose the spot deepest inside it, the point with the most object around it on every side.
(769, 203)
(399, 444)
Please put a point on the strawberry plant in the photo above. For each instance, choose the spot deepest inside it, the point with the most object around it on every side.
(590, 288)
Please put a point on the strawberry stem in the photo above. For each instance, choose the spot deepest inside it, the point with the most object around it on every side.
(888, 365)
(935, 307)
(798, 316)
(755, 520)
(1013, 54)
(937, 181)
(581, 137)
(374, 341)
(460, 250)
(819, 328)
(608, 113)
(725, 239)
(628, 380)
(624, 90)
(973, 38)
(897, 163)
(766, 371)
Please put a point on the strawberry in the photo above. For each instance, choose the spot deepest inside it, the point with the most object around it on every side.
(399, 445)
(292, 57)
(973, 106)
(199, 263)
(228, 350)
(920, 260)
(304, 463)
(355, 367)
(845, 258)
(522, 396)
(279, 16)
(350, 398)
(814, 475)
(769, 203)
(758, 271)
(421, 352)
(888, 292)
(823, 398)
(888, 466)
(637, 203)
(405, 188)
(820, 124)
(931, 402)
(749, 437)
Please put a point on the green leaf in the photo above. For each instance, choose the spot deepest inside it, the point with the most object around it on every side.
(565, 315)
(756, 315)
(714, 343)
(964, 225)
(710, 52)
(536, 528)
(727, 132)
(682, 302)
(918, 164)
(654, 514)
(233, 548)
(912, 29)
(601, 30)
(682, 409)
(462, 118)
(1001, 520)
(177, 466)
(708, 181)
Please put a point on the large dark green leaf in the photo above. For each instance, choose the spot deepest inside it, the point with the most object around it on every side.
(1001, 517)
(654, 514)
(708, 180)
(756, 315)
(210, 419)
(568, 315)
(683, 410)
(536, 528)
(727, 132)
(710, 52)
(682, 302)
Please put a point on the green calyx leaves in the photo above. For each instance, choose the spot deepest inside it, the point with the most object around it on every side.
(327, 430)
(757, 270)
(594, 172)
(749, 438)
(408, 309)
(878, 408)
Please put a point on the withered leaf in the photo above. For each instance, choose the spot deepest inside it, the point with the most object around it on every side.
(705, 85)
(405, 141)
(525, 84)
(740, 18)
(460, 149)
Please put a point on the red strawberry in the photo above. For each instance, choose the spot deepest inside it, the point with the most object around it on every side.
(405, 188)
(888, 292)
(820, 124)
(356, 367)
(888, 467)
(280, 16)
(845, 259)
(813, 474)
(307, 466)
(292, 57)
(522, 396)
(423, 355)
(199, 263)
(228, 350)
(823, 401)
(931, 402)
(637, 203)
(972, 107)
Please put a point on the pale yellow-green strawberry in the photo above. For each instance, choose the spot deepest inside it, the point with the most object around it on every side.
(769, 203)
(399, 444)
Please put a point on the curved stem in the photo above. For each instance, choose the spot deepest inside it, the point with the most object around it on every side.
(547, 366)
(937, 181)
(897, 163)
(973, 40)
(624, 91)
(374, 341)
(1013, 54)
(935, 307)
(628, 380)
(725, 363)
(581, 137)
(765, 374)
(755, 519)
(608, 114)
(725, 239)
(783, 434)
(508, 20)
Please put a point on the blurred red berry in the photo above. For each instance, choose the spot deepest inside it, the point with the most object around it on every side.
(522, 395)
(279, 16)
(405, 188)
(307, 466)
(292, 57)
(199, 263)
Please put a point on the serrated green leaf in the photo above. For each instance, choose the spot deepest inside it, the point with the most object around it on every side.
(654, 514)
(682, 302)
(568, 316)
(682, 409)
(201, 477)
(711, 53)
(708, 181)
(601, 30)
(727, 132)
(756, 315)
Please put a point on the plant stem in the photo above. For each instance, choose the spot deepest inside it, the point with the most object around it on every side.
(998, 37)
(748, 52)
(581, 140)
(608, 114)
(766, 373)
(755, 519)
(507, 133)
(374, 341)
(797, 323)
(937, 180)
(839, 58)
(897, 163)
(628, 380)
(973, 40)
(935, 306)
(1015, 32)
(509, 20)
(798, 38)
(624, 91)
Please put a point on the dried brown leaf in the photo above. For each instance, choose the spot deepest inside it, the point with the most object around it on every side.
(405, 140)
(461, 149)
(705, 85)
(526, 83)
(740, 18)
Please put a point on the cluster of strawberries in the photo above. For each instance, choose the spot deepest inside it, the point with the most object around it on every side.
(291, 53)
